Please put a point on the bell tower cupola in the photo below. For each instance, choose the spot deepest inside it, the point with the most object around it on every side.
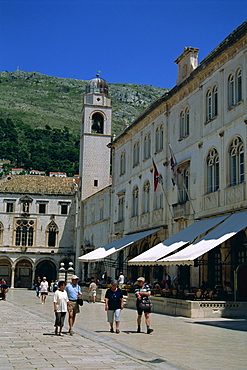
(94, 138)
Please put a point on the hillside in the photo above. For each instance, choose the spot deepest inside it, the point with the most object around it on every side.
(39, 100)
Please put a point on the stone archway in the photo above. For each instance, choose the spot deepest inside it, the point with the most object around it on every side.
(5, 270)
(23, 274)
(46, 268)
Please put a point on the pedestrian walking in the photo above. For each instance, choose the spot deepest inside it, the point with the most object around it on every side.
(92, 291)
(44, 288)
(37, 286)
(74, 293)
(61, 305)
(120, 280)
(55, 286)
(113, 305)
(142, 292)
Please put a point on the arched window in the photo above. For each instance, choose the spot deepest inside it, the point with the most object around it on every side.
(231, 100)
(161, 136)
(97, 123)
(183, 185)
(146, 203)
(123, 163)
(212, 171)
(238, 85)
(147, 146)
(208, 105)
(157, 139)
(52, 231)
(135, 202)
(136, 153)
(24, 233)
(236, 154)
(184, 123)
(215, 101)
(187, 121)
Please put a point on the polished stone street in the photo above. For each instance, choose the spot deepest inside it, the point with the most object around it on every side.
(28, 342)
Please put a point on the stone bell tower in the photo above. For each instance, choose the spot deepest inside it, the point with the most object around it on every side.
(94, 138)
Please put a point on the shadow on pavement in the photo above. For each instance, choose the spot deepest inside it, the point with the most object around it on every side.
(155, 361)
(240, 325)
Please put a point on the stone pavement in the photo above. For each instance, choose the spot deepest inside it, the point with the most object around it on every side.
(28, 342)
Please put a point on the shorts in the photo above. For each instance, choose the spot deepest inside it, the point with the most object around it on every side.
(141, 310)
(75, 307)
(112, 313)
(92, 293)
(60, 316)
(44, 293)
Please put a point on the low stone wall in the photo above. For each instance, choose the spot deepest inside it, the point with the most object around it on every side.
(194, 309)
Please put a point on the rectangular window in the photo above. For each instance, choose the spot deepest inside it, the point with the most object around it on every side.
(64, 209)
(42, 208)
(95, 183)
(9, 207)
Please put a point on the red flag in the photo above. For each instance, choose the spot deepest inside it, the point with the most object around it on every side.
(157, 178)
(174, 167)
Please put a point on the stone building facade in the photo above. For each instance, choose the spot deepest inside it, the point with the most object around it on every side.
(203, 120)
(37, 218)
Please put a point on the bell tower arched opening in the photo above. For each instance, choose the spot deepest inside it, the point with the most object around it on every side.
(97, 123)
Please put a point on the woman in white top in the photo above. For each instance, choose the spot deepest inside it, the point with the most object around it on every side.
(44, 289)
(61, 304)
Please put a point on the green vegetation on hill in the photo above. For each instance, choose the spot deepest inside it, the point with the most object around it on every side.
(40, 100)
(41, 116)
(44, 149)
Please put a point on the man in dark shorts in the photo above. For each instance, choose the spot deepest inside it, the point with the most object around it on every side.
(142, 290)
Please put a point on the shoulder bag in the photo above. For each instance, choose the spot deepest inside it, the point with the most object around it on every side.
(145, 303)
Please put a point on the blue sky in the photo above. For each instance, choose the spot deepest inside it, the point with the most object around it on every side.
(129, 41)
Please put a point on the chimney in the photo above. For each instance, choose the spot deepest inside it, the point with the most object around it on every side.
(187, 62)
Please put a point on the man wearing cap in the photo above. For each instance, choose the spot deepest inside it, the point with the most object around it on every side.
(141, 291)
(74, 292)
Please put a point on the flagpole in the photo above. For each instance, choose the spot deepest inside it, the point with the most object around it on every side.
(159, 179)
(162, 185)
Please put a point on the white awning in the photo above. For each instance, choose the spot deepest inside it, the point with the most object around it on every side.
(151, 256)
(231, 226)
(113, 247)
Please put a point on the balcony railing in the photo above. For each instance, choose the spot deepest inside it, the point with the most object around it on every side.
(181, 210)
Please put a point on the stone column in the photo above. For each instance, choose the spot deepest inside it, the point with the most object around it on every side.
(12, 278)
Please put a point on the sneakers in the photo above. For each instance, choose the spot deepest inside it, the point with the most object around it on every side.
(149, 331)
(111, 330)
